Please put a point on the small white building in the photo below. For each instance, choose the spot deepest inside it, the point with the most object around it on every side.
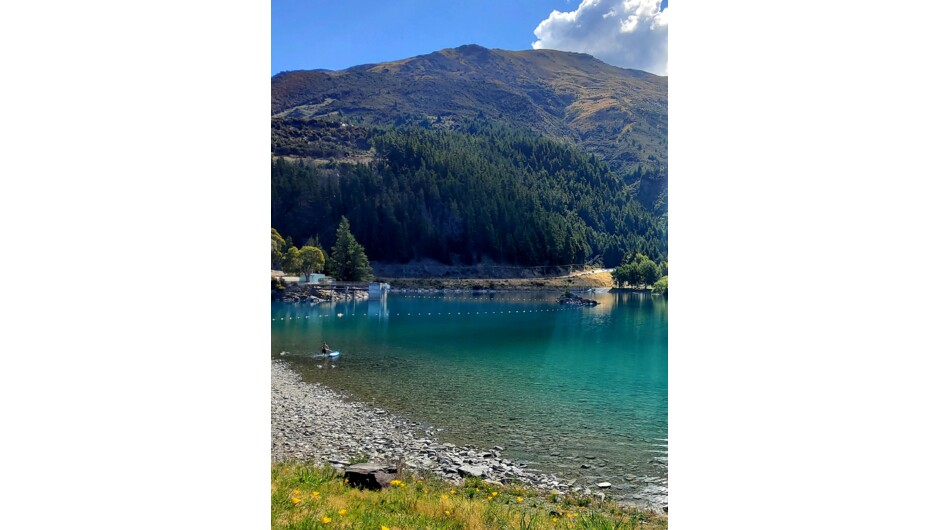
(314, 278)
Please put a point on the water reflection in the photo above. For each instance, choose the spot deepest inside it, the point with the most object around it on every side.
(552, 384)
(378, 307)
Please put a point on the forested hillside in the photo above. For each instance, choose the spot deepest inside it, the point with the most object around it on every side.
(617, 114)
(485, 192)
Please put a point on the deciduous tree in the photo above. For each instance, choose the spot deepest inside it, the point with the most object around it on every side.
(661, 286)
(649, 271)
(277, 248)
(291, 261)
(311, 260)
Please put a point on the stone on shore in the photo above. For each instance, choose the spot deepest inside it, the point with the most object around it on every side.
(471, 471)
(370, 476)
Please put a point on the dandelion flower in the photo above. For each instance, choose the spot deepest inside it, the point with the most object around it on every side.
(295, 492)
(345, 481)
(316, 494)
(447, 513)
(452, 492)
(342, 513)
(386, 528)
(444, 497)
(295, 500)
(518, 499)
(326, 520)
(554, 519)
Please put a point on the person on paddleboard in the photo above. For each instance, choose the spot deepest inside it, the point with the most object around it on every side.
(326, 348)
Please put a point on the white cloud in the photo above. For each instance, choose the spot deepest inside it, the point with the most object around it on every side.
(625, 33)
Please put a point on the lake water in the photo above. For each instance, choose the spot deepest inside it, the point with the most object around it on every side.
(558, 387)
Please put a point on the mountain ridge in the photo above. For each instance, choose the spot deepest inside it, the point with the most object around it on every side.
(618, 114)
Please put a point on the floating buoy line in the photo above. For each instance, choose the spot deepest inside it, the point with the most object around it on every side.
(476, 296)
(431, 313)
(471, 296)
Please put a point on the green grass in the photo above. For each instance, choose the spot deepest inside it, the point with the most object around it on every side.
(306, 496)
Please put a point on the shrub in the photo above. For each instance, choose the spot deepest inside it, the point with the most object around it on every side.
(661, 286)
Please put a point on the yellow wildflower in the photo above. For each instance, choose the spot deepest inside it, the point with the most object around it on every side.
(444, 497)
(518, 499)
(345, 481)
(295, 493)
(386, 528)
(316, 494)
(447, 513)
(326, 520)
(295, 499)
(452, 492)
(342, 513)
(554, 519)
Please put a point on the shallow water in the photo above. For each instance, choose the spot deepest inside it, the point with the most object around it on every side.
(558, 387)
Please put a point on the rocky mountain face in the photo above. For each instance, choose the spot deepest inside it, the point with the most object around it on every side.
(617, 114)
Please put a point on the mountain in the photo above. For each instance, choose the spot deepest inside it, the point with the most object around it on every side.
(470, 155)
(617, 114)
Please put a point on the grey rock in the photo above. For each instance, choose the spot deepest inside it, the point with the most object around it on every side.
(471, 471)
(369, 475)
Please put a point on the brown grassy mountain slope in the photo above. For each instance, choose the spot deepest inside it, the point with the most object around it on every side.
(618, 114)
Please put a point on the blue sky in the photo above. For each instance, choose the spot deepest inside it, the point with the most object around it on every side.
(338, 34)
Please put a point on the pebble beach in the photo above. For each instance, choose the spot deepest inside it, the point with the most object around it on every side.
(310, 422)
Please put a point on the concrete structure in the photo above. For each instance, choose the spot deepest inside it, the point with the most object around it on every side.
(378, 290)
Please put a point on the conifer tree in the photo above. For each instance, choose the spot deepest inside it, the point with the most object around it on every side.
(348, 261)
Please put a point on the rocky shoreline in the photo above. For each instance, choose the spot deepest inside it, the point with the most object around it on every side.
(312, 422)
(316, 294)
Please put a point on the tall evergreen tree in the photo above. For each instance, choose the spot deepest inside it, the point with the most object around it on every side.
(348, 261)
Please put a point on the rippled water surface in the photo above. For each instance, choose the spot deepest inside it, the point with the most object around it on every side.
(575, 391)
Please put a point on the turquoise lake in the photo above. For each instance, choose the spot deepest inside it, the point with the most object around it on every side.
(580, 392)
